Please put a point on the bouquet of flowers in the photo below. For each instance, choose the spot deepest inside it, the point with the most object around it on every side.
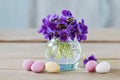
(63, 28)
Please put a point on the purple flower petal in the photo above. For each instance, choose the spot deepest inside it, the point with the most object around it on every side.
(63, 18)
(63, 36)
(57, 34)
(46, 36)
(42, 29)
(69, 13)
(72, 36)
(50, 35)
(52, 26)
(79, 38)
(66, 13)
(52, 17)
(83, 21)
(85, 61)
(84, 37)
(92, 58)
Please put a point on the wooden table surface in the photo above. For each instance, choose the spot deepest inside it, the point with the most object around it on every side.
(18, 45)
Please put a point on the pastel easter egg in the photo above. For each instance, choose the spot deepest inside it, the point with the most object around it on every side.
(38, 67)
(90, 66)
(27, 64)
(52, 67)
(103, 67)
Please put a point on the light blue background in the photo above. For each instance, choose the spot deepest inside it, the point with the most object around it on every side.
(28, 13)
(14, 13)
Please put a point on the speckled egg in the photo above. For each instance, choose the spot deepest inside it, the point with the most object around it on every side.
(52, 67)
(27, 64)
(90, 66)
(103, 67)
(38, 67)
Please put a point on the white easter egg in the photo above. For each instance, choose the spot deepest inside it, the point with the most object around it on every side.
(52, 67)
(103, 67)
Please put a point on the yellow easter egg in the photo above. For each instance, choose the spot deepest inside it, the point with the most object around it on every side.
(52, 67)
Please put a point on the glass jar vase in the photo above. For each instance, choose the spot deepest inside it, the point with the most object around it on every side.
(66, 54)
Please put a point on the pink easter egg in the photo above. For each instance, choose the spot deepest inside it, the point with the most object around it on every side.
(38, 67)
(90, 66)
(27, 64)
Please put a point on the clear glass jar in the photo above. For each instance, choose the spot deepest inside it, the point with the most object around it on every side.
(66, 54)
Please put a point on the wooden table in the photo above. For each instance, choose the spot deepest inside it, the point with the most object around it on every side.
(17, 45)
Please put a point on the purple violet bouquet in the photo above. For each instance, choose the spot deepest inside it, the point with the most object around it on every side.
(61, 30)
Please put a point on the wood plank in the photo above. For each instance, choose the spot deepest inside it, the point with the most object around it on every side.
(16, 64)
(44, 41)
(37, 50)
(96, 34)
(72, 75)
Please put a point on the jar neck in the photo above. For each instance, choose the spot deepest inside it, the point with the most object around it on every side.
(69, 41)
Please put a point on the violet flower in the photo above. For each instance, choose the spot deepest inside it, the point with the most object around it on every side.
(92, 57)
(63, 36)
(66, 13)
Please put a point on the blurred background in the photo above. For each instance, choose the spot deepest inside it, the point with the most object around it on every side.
(28, 13)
